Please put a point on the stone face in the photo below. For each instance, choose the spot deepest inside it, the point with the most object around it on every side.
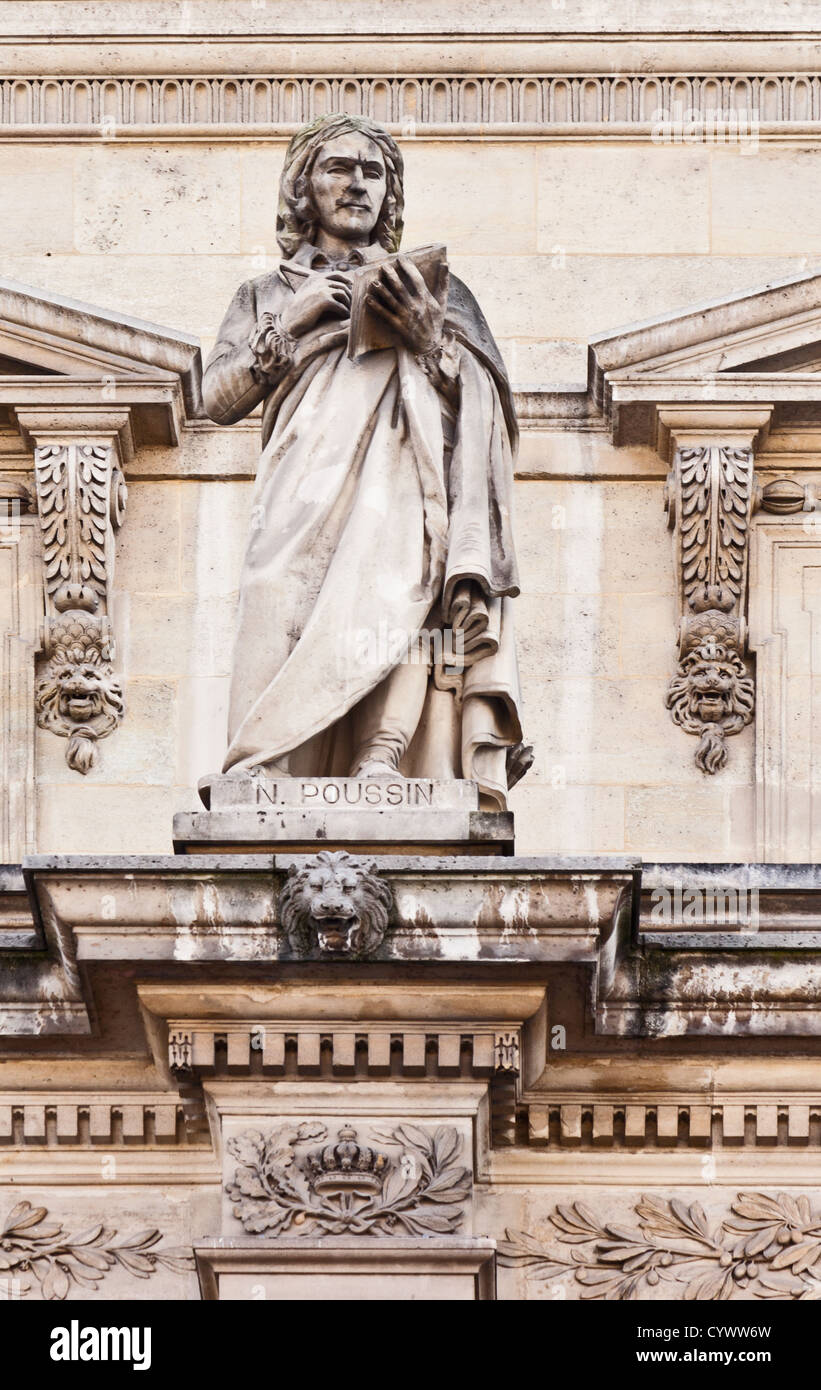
(357, 1041)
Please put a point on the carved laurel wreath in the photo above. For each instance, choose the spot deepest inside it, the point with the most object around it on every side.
(31, 1245)
(419, 1194)
(770, 1247)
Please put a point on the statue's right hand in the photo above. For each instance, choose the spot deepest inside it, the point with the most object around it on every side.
(319, 295)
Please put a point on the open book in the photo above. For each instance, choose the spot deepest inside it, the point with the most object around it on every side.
(368, 332)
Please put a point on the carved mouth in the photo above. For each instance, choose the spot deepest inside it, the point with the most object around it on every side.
(712, 706)
(81, 705)
(334, 932)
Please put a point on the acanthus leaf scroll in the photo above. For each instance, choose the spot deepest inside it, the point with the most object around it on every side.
(81, 497)
(710, 500)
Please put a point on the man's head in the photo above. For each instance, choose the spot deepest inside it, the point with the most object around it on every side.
(343, 174)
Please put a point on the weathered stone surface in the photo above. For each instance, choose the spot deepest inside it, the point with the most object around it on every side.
(531, 1028)
(440, 1268)
(342, 793)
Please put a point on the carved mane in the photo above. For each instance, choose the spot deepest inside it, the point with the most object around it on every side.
(370, 896)
(682, 701)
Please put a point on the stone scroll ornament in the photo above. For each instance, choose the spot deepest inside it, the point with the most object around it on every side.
(416, 1187)
(335, 906)
(766, 1247)
(36, 1252)
(81, 497)
(709, 501)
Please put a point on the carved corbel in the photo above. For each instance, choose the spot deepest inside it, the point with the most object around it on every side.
(710, 498)
(81, 496)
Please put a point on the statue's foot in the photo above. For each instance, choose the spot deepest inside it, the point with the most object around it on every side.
(376, 767)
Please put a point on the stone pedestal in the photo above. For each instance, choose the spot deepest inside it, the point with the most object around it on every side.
(248, 813)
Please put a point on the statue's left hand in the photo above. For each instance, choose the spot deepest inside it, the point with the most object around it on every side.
(401, 297)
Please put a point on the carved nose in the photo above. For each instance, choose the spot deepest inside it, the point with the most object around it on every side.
(334, 907)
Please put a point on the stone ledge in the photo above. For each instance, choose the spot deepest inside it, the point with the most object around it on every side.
(388, 1267)
(371, 831)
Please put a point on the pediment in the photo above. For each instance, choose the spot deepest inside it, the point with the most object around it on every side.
(55, 350)
(762, 346)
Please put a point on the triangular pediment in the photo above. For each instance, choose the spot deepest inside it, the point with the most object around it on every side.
(775, 327)
(45, 336)
(762, 345)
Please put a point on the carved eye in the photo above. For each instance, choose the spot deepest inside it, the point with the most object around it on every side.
(315, 881)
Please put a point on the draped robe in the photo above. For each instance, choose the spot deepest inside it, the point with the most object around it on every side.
(374, 516)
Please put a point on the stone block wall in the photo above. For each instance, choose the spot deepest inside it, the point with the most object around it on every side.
(567, 210)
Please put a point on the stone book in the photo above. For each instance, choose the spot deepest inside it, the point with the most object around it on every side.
(368, 332)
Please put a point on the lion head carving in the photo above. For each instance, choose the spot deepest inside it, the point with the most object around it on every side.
(78, 695)
(711, 695)
(335, 905)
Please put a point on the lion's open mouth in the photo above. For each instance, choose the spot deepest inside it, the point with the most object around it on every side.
(712, 705)
(334, 932)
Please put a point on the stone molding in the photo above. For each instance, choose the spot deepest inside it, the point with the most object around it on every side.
(582, 1122)
(55, 1120)
(300, 1260)
(379, 1048)
(20, 623)
(665, 106)
(652, 978)
(784, 599)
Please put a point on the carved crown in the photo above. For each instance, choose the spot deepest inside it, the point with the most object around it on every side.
(346, 1164)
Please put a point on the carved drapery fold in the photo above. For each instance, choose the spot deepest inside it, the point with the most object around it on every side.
(81, 496)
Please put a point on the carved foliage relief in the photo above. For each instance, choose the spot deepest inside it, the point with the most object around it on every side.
(712, 695)
(766, 1247)
(413, 1184)
(38, 1252)
(81, 496)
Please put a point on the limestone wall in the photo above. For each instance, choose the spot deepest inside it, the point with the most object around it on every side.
(562, 232)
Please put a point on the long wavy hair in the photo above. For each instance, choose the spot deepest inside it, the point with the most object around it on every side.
(296, 214)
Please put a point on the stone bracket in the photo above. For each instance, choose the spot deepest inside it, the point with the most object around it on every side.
(81, 497)
(710, 497)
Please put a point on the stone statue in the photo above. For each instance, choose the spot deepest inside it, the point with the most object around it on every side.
(375, 635)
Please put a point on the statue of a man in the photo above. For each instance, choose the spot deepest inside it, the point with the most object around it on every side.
(375, 635)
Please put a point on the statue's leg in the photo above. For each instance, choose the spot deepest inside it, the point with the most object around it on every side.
(385, 721)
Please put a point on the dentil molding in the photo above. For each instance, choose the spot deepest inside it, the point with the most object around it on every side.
(665, 106)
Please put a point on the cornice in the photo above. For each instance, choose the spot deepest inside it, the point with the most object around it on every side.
(505, 99)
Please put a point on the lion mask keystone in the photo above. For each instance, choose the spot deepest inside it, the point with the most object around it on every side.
(336, 906)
